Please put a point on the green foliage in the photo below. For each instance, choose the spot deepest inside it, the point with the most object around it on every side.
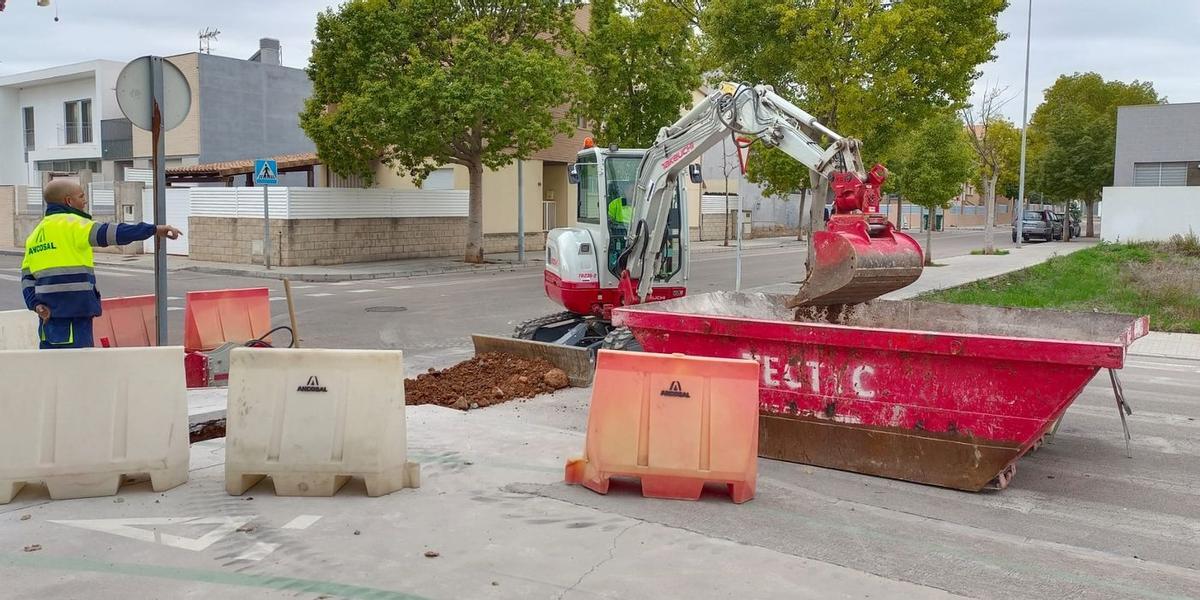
(640, 61)
(930, 166)
(1006, 140)
(863, 69)
(421, 83)
(1142, 279)
(1074, 132)
(777, 173)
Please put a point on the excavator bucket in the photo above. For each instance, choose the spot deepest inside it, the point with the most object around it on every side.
(857, 259)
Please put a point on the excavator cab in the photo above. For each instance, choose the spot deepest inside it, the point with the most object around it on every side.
(860, 255)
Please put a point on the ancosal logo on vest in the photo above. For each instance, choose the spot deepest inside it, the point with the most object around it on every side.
(313, 385)
(40, 243)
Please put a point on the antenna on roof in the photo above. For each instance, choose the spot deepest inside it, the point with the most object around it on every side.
(206, 38)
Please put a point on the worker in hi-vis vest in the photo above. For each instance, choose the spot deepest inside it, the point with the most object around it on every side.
(57, 275)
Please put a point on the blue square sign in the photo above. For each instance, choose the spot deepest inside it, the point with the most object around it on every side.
(266, 172)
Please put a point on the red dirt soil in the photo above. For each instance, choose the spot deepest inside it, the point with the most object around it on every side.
(485, 380)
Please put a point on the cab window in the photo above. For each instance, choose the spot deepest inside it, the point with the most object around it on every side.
(589, 189)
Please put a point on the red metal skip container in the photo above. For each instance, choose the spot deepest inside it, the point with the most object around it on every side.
(948, 395)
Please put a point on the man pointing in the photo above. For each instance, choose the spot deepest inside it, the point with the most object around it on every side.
(57, 275)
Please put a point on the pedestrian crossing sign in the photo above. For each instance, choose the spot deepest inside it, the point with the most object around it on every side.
(266, 172)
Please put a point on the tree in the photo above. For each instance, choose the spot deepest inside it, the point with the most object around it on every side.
(417, 84)
(930, 166)
(1076, 128)
(639, 56)
(997, 147)
(865, 68)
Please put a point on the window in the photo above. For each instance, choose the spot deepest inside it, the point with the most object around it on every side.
(77, 122)
(439, 179)
(68, 166)
(1160, 174)
(27, 120)
(589, 189)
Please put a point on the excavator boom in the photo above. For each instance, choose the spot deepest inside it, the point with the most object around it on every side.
(859, 258)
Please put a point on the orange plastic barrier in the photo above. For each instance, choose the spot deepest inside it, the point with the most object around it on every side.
(673, 421)
(126, 322)
(212, 318)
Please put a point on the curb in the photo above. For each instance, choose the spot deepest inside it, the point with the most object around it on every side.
(335, 277)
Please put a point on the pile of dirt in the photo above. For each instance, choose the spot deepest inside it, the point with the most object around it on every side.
(207, 430)
(485, 380)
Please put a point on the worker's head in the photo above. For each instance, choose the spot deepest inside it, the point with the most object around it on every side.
(66, 193)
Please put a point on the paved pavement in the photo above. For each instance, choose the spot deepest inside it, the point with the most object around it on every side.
(1079, 520)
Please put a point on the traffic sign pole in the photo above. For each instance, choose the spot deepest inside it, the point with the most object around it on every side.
(160, 198)
(266, 229)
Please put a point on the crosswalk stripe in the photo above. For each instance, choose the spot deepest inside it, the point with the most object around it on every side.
(9, 277)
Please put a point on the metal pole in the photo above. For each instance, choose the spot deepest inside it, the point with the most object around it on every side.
(160, 198)
(266, 227)
(1020, 216)
(737, 272)
(520, 212)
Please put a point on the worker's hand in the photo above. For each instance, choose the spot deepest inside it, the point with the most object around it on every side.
(168, 232)
(43, 312)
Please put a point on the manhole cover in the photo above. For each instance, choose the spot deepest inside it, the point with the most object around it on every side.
(386, 309)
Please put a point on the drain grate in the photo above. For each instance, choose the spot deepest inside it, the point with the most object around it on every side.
(386, 309)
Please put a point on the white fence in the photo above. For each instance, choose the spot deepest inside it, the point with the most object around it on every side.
(1149, 213)
(715, 204)
(327, 203)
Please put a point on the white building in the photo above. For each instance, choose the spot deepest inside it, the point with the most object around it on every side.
(62, 120)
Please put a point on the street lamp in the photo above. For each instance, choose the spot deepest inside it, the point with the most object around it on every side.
(1020, 216)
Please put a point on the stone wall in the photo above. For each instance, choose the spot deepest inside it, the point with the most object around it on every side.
(326, 241)
(712, 227)
(535, 241)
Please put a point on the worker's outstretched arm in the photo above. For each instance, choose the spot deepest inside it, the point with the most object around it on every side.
(119, 234)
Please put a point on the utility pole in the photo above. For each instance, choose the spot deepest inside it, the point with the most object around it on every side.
(1020, 212)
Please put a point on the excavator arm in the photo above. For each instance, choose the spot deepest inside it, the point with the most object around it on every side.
(760, 114)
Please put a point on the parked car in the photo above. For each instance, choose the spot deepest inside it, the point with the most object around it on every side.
(1075, 227)
(1040, 224)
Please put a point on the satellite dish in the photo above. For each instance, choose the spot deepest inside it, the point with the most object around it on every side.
(134, 94)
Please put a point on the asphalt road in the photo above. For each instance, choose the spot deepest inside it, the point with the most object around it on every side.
(431, 318)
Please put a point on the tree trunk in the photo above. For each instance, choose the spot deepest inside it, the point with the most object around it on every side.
(900, 213)
(989, 217)
(929, 237)
(816, 213)
(1091, 218)
(474, 252)
(800, 219)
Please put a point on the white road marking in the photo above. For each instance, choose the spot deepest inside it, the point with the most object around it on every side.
(302, 522)
(259, 551)
(399, 287)
(132, 529)
(320, 295)
(277, 298)
(4, 277)
(302, 287)
(360, 291)
(174, 308)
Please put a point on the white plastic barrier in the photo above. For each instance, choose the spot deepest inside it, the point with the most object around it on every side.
(312, 419)
(18, 330)
(79, 420)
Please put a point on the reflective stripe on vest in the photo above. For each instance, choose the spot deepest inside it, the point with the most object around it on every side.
(59, 246)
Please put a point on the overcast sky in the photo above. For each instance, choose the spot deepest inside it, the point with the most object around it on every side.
(1153, 40)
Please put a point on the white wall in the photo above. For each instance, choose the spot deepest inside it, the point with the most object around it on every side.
(12, 152)
(46, 91)
(327, 203)
(1149, 213)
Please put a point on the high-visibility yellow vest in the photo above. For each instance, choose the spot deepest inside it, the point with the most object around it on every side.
(60, 240)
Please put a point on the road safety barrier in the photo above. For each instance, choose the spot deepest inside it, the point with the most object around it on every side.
(18, 330)
(80, 420)
(127, 322)
(674, 421)
(215, 317)
(312, 419)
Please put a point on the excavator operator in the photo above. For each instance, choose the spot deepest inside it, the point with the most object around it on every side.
(619, 216)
